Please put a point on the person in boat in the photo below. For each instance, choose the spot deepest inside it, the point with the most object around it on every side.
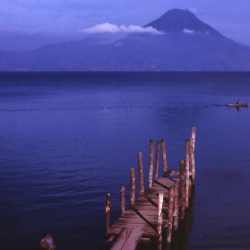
(238, 102)
(47, 242)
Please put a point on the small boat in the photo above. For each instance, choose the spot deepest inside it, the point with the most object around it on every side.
(238, 105)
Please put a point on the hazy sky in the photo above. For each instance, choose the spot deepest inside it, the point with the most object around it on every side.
(26, 24)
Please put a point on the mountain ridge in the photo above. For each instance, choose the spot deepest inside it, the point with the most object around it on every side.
(187, 44)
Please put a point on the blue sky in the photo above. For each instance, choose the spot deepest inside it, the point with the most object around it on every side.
(27, 24)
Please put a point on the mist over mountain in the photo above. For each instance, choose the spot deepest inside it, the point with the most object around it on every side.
(185, 44)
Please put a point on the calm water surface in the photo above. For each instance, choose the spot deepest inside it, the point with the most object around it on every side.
(67, 139)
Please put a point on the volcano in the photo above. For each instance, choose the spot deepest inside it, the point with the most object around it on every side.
(177, 21)
(185, 44)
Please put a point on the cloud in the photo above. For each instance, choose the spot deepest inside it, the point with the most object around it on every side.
(102, 28)
(188, 31)
(112, 28)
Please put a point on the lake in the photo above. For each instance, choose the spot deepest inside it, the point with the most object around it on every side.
(68, 139)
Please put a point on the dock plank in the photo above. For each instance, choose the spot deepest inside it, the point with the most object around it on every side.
(122, 238)
(144, 213)
(133, 239)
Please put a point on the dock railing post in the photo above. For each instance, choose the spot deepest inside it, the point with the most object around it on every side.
(192, 149)
(160, 219)
(164, 155)
(107, 212)
(170, 214)
(192, 160)
(158, 148)
(122, 206)
(132, 187)
(182, 188)
(187, 150)
(176, 205)
(193, 134)
(140, 167)
(151, 160)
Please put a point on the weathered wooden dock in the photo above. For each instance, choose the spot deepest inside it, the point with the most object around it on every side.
(156, 213)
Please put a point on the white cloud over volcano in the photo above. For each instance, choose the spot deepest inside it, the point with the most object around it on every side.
(112, 28)
(188, 31)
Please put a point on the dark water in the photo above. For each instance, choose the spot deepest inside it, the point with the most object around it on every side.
(67, 139)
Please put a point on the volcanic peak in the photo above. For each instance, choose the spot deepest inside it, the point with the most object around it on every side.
(179, 20)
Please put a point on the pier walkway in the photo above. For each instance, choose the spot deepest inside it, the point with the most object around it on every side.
(156, 213)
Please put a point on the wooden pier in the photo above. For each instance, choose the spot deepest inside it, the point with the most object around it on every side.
(158, 210)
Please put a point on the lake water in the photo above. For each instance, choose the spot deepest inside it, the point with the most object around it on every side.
(68, 139)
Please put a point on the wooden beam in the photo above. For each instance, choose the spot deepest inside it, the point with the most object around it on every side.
(121, 238)
(107, 211)
(182, 189)
(187, 150)
(158, 148)
(133, 239)
(128, 239)
(140, 167)
(160, 220)
(151, 160)
(176, 205)
(193, 134)
(170, 214)
(164, 155)
(132, 187)
(122, 198)
(192, 160)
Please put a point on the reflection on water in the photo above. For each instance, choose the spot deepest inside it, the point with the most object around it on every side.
(68, 139)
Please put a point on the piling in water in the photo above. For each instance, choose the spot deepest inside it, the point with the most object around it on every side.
(164, 155)
(192, 160)
(176, 205)
(158, 148)
(122, 198)
(151, 160)
(187, 151)
(132, 187)
(182, 189)
(159, 228)
(140, 167)
(107, 212)
(170, 214)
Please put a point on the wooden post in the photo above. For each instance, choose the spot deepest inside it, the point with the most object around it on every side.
(151, 159)
(159, 228)
(191, 208)
(107, 211)
(193, 133)
(158, 148)
(132, 187)
(176, 205)
(187, 151)
(140, 167)
(122, 196)
(192, 160)
(164, 155)
(182, 188)
(170, 214)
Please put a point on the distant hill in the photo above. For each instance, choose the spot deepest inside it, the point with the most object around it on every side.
(187, 44)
